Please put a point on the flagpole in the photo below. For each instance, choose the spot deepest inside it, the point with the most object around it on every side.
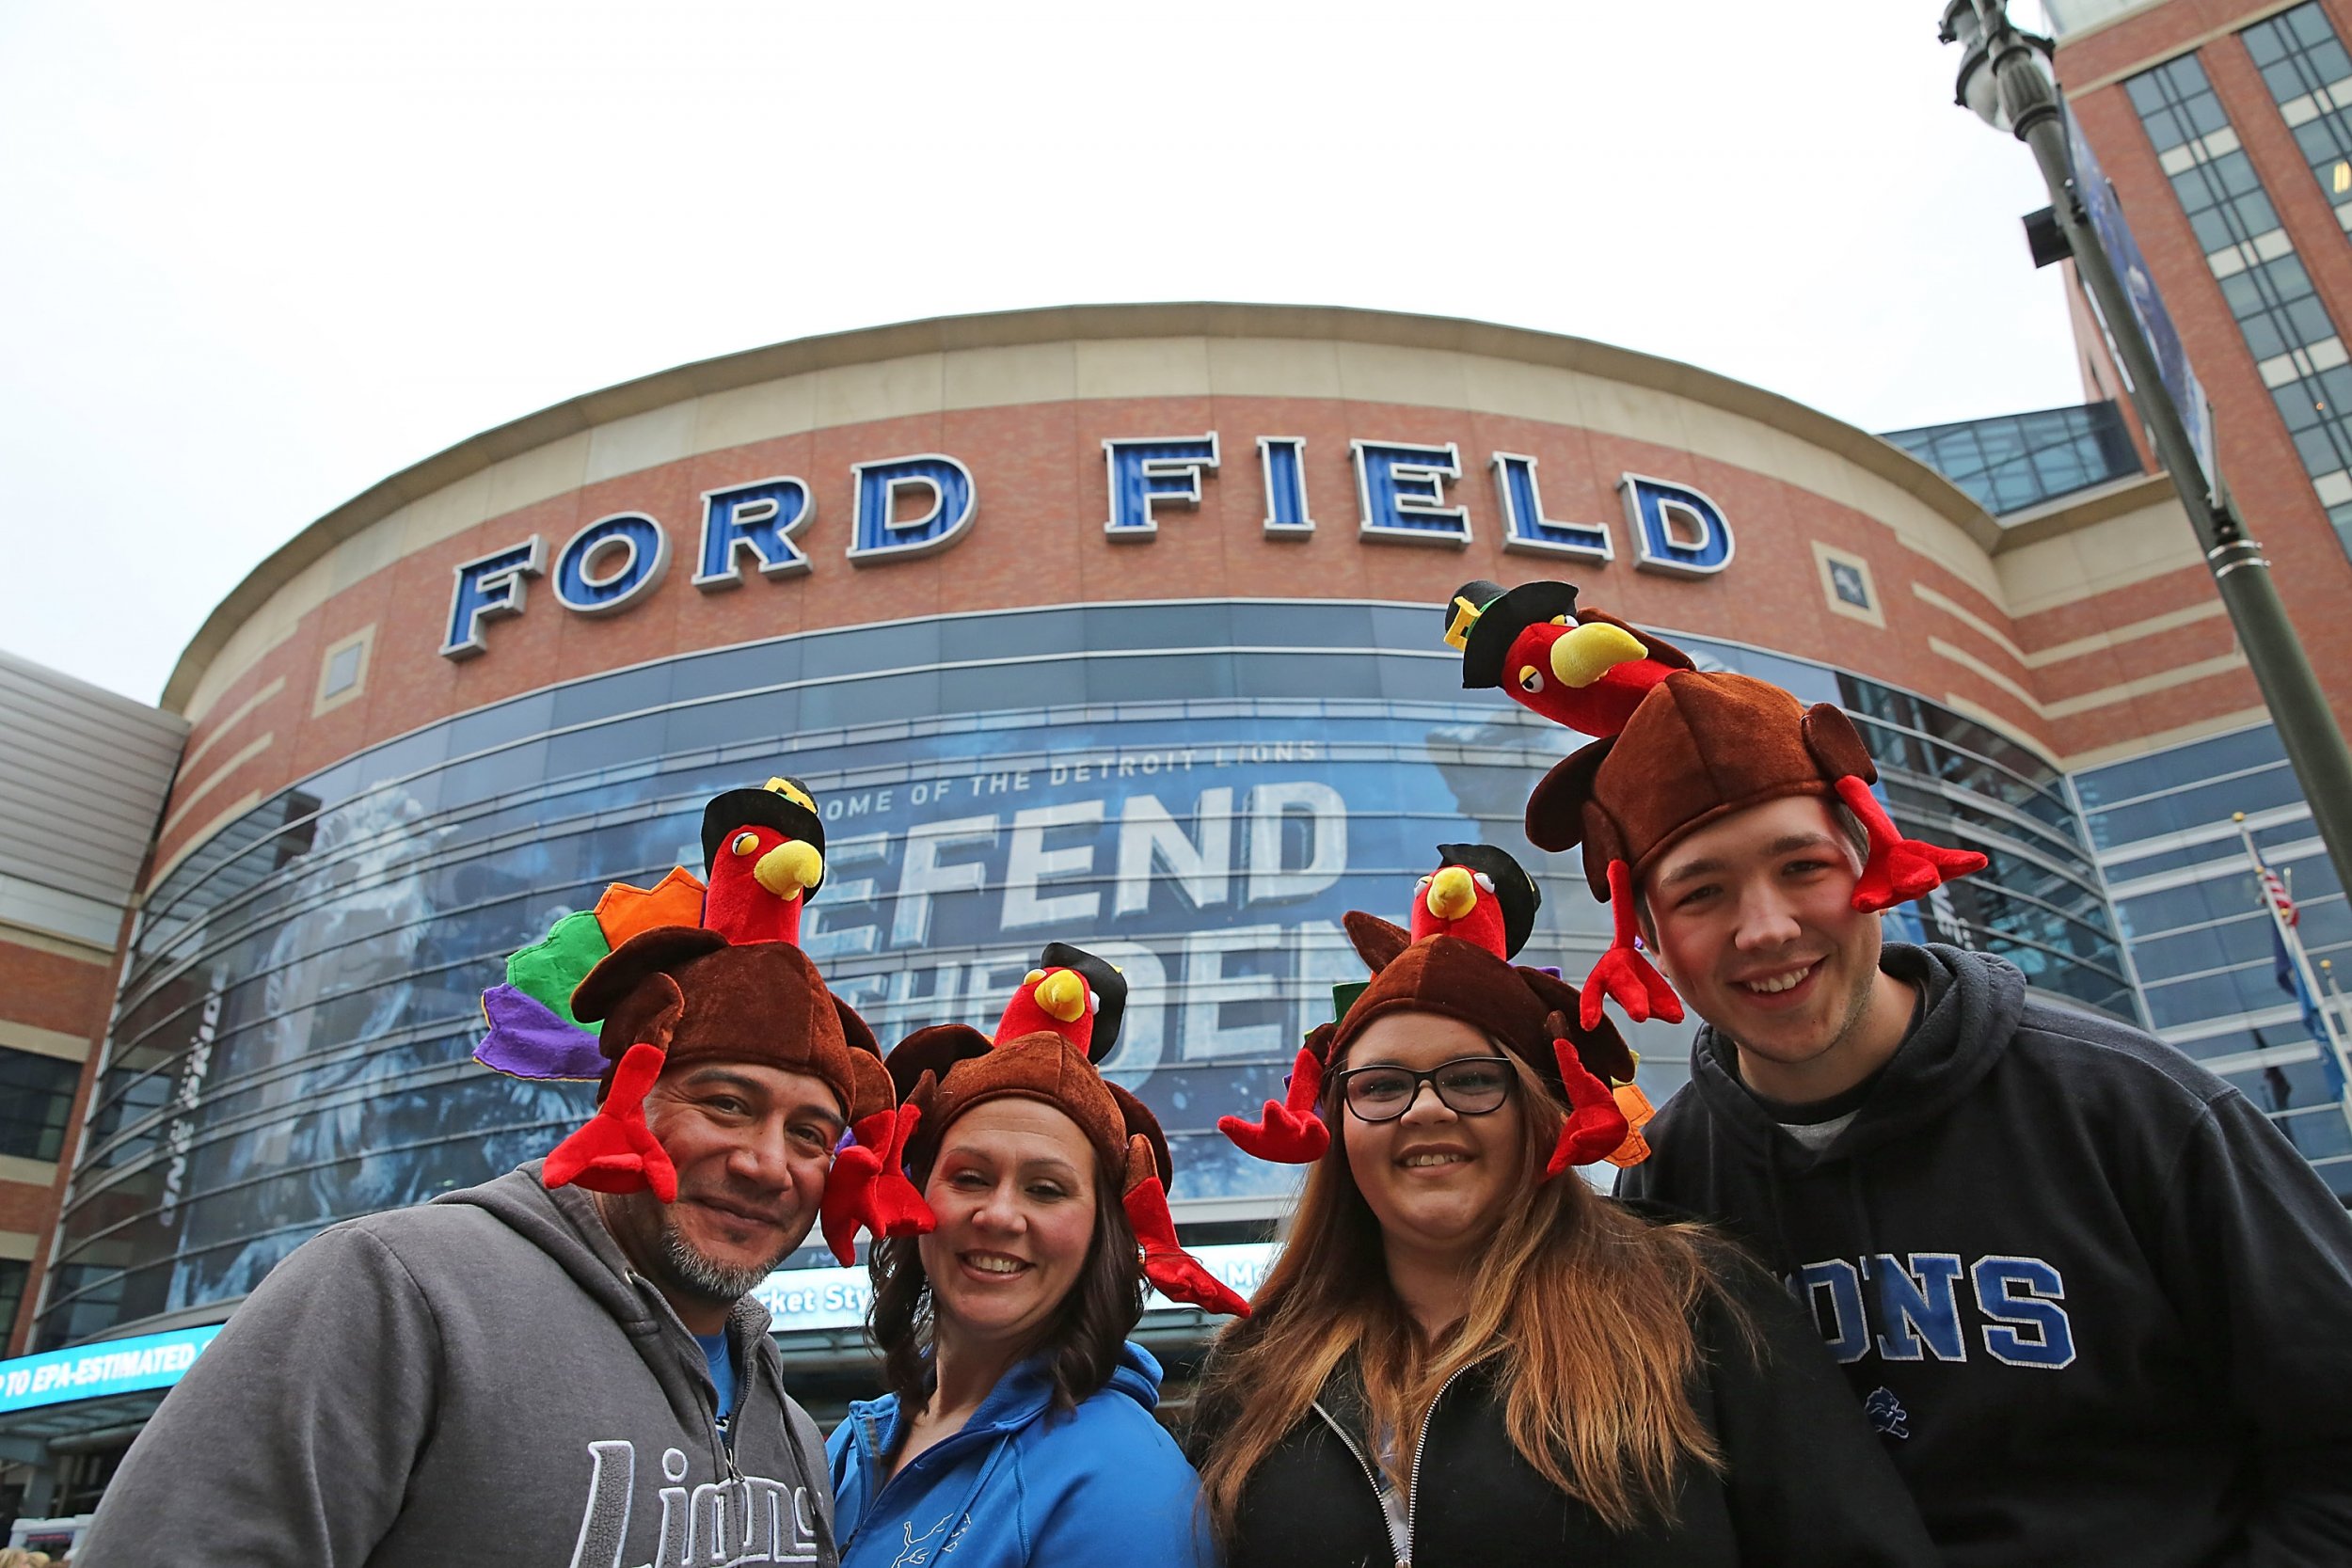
(2331, 1037)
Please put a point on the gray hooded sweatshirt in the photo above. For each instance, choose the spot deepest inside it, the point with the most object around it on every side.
(480, 1379)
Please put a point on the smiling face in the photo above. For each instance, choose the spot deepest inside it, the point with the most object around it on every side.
(1013, 1190)
(1439, 1183)
(752, 1144)
(1754, 924)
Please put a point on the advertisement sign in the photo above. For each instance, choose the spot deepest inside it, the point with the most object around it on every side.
(801, 1299)
(1211, 860)
(94, 1372)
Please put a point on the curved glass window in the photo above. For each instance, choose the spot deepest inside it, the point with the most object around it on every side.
(1197, 791)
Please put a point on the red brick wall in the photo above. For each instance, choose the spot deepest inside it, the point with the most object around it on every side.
(72, 996)
(2272, 494)
(1038, 539)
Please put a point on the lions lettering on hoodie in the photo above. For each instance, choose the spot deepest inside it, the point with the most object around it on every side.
(2099, 1310)
(479, 1379)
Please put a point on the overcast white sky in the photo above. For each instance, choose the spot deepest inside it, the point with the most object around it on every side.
(256, 257)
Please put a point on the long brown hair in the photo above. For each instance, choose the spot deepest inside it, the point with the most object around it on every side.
(1586, 1306)
(1104, 1303)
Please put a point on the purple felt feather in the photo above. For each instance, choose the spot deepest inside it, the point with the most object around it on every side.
(526, 1040)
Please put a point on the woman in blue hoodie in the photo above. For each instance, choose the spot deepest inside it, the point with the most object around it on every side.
(1019, 1425)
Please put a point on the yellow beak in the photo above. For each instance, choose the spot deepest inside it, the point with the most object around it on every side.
(1452, 893)
(788, 869)
(1591, 651)
(1063, 994)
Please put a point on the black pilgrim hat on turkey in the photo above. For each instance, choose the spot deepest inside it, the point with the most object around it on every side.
(1108, 983)
(1514, 889)
(783, 804)
(1483, 619)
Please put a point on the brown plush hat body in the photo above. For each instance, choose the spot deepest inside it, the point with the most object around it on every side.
(1532, 1013)
(707, 999)
(1700, 748)
(678, 994)
(1062, 1020)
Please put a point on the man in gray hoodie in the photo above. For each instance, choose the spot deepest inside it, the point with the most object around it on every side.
(526, 1373)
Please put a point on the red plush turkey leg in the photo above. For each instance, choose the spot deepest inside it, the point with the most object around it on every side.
(1290, 1132)
(892, 1206)
(1172, 1271)
(867, 1186)
(1898, 868)
(1622, 975)
(1595, 1125)
(616, 1152)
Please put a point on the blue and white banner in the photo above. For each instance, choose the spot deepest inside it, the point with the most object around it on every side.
(94, 1372)
(800, 1299)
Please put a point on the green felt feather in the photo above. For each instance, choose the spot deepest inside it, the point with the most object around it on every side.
(548, 969)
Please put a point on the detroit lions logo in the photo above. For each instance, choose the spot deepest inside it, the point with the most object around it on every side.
(916, 1552)
(1886, 1411)
(1918, 1306)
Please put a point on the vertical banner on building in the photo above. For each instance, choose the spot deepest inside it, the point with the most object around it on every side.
(2115, 236)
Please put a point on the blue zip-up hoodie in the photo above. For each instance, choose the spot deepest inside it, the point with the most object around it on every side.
(1021, 1483)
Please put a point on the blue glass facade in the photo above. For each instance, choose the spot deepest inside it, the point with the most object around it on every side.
(2015, 461)
(2186, 900)
(1195, 790)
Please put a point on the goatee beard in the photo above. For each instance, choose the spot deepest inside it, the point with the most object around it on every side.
(708, 1279)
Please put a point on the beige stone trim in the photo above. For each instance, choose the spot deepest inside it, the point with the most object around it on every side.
(43, 1042)
(236, 717)
(2099, 640)
(50, 942)
(1082, 352)
(1975, 622)
(33, 1173)
(1967, 660)
(2135, 493)
(2220, 723)
(2062, 569)
(2066, 708)
(1824, 558)
(2042, 658)
(245, 754)
(324, 702)
(16, 1245)
(2164, 680)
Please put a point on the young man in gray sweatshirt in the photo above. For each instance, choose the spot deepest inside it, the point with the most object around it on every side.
(526, 1373)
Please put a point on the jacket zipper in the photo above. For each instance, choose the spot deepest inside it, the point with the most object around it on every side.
(1370, 1479)
(725, 1458)
(1412, 1497)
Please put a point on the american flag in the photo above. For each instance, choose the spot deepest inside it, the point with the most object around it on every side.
(2275, 889)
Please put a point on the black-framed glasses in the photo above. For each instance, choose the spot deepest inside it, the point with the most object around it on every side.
(1466, 1085)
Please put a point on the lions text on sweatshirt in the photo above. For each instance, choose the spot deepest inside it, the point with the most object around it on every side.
(478, 1379)
(2098, 1309)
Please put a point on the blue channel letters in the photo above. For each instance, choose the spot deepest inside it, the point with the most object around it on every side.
(759, 519)
(1143, 471)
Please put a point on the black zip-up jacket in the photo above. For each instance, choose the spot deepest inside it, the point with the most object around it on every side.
(1805, 1483)
(2099, 1310)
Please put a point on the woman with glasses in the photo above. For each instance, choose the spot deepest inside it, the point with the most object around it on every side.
(1465, 1354)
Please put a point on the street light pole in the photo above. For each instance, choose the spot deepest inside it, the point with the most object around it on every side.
(2241, 572)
